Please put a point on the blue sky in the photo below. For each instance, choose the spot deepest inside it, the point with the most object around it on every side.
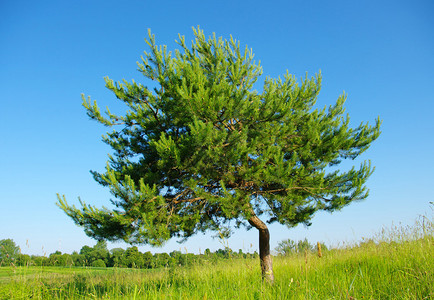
(381, 53)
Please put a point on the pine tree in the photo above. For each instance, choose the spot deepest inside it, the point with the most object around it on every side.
(204, 151)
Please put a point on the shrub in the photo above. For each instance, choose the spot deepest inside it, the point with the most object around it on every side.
(99, 263)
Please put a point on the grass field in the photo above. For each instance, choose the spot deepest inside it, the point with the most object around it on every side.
(396, 264)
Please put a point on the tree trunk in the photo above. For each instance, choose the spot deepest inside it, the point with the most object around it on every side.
(264, 249)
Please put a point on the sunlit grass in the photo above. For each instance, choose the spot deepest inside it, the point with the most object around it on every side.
(397, 263)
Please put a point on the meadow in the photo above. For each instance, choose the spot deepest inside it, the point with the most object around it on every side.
(397, 263)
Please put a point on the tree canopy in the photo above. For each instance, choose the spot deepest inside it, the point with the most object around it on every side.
(9, 252)
(200, 149)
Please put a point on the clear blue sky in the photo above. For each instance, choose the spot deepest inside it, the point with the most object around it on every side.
(381, 53)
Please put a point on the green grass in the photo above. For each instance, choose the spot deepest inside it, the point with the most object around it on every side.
(396, 264)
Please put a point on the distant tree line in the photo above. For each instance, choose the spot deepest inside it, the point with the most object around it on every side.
(100, 256)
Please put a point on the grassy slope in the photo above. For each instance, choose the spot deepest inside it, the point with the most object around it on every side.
(399, 265)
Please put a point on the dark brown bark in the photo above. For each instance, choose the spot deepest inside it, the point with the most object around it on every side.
(264, 248)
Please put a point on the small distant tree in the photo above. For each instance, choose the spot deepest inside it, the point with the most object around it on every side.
(186, 259)
(162, 259)
(286, 247)
(303, 246)
(148, 260)
(199, 149)
(85, 250)
(40, 260)
(55, 259)
(134, 258)
(24, 260)
(117, 257)
(176, 257)
(99, 263)
(9, 252)
(78, 259)
(100, 252)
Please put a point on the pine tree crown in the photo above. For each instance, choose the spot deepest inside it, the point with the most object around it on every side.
(204, 150)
